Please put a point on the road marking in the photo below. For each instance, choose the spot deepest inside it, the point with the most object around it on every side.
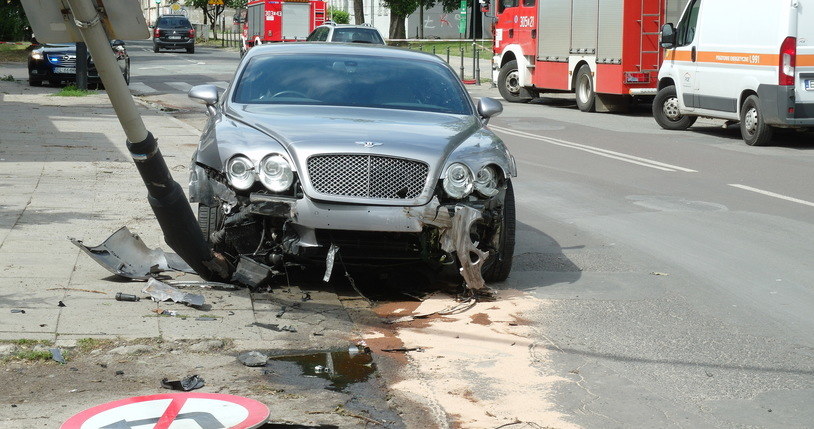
(181, 86)
(645, 162)
(141, 88)
(772, 194)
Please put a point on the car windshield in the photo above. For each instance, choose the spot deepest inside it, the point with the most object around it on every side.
(357, 35)
(351, 80)
(174, 23)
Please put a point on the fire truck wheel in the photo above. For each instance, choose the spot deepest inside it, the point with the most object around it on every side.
(586, 97)
(755, 132)
(666, 113)
(508, 83)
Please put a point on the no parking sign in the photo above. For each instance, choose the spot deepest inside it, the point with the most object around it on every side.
(173, 411)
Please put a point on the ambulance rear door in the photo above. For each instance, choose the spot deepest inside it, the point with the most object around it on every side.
(804, 89)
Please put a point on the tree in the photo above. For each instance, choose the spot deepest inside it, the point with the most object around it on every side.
(213, 11)
(359, 12)
(339, 16)
(401, 9)
(13, 23)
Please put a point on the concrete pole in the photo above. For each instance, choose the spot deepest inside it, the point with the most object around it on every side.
(99, 48)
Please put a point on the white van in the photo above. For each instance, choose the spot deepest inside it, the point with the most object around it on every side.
(741, 60)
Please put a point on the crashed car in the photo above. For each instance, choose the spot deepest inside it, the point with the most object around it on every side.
(376, 153)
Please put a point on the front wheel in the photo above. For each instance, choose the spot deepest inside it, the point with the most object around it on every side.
(155, 48)
(754, 130)
(191, 50)
(499, 265)
(508, 83)
(34, 81)
(586, 97)
(666, 110)
(210, 220)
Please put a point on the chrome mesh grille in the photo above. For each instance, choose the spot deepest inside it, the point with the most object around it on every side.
(367, 176)
(62, 60)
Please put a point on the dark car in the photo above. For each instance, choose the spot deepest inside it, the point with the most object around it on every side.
(378, 152)
(341, 33)
(57, 63)
(173, 32)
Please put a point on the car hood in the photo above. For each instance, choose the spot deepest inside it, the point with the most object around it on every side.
(307, 130)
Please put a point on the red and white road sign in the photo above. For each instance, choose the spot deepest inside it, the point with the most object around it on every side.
(188, 410)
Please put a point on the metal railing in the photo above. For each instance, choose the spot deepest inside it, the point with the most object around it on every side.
(457, 56)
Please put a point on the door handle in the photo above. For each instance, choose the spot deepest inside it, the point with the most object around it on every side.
(693, 54)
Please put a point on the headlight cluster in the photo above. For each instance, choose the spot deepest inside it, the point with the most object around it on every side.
(37, 55)
(460, 182)
(274, 172)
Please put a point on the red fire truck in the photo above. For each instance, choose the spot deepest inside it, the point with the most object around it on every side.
(603, 50)
(280, 20)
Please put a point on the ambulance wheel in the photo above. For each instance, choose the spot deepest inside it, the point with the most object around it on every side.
(755, 132)
(508, 83)
(666, 113)
(584, 88)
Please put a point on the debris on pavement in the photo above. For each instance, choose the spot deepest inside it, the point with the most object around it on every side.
(656, 273)
(161, 291)
(61, 304)
(206, 319)
(17, 310)
(202, 284)
(404, 349)
(190, 383)
(275, 327)
(162, 312)
(126, 297)
(252, 273)
(124, 254)
(56, 354)
(455, 309)
(253, 358)
(77, 290)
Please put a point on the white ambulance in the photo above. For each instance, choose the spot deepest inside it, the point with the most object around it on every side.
(741, 60)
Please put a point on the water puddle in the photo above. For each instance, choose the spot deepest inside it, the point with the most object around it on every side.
(340, 368)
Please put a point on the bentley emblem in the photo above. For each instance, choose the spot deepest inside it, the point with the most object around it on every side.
(368, 144)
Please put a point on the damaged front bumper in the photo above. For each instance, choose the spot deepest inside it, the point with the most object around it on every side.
(289, 226)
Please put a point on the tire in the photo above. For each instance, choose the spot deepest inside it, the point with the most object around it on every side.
(584, 89)
(191, 50)
(755, 132)
(666, 113)
(209, 219)
(508, 83)
(34, 81)
(155, 48)
(498, 266)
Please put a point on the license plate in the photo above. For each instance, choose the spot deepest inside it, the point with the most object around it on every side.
(65, 70)
(809, 84)
(175, 37)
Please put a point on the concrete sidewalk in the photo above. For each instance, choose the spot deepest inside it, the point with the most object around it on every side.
(65, 172)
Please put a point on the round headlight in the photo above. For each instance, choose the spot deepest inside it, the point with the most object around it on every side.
(486, 182)
(458, 182)
(240, 172)
(275, 173)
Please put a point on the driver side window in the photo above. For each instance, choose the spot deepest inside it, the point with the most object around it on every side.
(685, 34)
(503, 4)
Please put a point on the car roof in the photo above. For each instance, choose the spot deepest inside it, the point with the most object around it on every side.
(327, 48)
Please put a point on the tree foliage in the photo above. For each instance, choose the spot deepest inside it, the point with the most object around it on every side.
(13, 23)
(212, 12)
(339, 16)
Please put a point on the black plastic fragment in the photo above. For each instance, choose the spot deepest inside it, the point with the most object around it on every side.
(190, 383)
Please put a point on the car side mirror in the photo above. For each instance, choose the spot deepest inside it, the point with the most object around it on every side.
(668, 36)
(488, 107)
(206, 94)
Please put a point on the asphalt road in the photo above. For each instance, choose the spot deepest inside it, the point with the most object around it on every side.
(675, 267)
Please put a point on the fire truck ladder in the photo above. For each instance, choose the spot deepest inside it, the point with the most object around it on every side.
(649, 38)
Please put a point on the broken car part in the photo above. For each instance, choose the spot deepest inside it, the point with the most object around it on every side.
(126, 297)
(253, 358)
(56, 354)
(190, 383)
(160, 291)
(124, 254)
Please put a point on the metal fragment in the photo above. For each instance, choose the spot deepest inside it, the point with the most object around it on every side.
(124, 254)
(160, 291)
(329, 262)
(253, 358)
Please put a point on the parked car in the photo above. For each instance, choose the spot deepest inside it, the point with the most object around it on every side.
(376, 151)
(342, 33)
(57, 63)
(173, 32)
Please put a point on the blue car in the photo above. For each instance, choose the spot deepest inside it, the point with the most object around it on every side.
(57, 63)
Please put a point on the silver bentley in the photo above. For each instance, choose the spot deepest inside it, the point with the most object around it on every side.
(373, 154)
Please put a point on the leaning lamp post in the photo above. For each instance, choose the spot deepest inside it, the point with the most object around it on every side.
(85, 20)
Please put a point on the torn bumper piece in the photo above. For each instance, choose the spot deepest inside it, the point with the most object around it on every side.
(124, 254)
(159, 291)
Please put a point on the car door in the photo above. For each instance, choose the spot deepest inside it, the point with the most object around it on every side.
(684, 56)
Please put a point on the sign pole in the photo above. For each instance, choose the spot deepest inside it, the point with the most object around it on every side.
(81, 66)
(166, 197)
